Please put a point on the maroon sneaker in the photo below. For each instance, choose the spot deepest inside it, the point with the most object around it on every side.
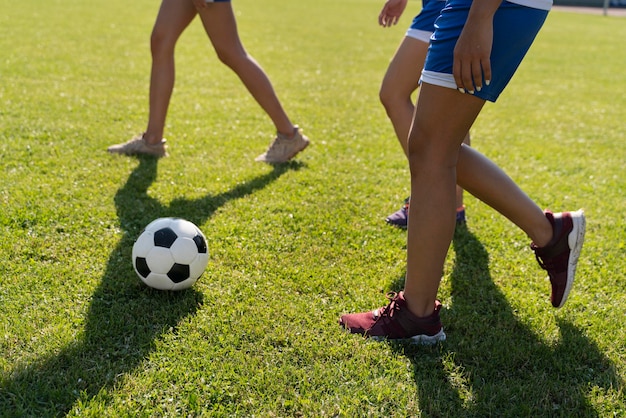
(396, 322)
(560, 256)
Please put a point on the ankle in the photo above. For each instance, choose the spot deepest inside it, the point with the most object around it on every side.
(289, 134)
(545, 234)
(151, 139)
(420, 310)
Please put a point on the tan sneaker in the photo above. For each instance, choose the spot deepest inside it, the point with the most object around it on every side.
(284, 148)
(137, 146)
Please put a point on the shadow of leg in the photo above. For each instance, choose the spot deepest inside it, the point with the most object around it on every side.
(493, 364)
(124, 318)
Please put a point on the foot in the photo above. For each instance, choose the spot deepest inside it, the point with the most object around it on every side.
(460, 215)
(284, 148)
(139, 146)
(400, 218)
(560, 256)
(396, 322)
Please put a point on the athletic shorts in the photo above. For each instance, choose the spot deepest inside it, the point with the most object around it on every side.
(424, 23)
(514, 30)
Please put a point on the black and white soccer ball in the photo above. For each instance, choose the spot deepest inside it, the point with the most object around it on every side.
(170, 254)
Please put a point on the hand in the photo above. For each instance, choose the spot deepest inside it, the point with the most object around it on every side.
(391, 12)
(472, 63)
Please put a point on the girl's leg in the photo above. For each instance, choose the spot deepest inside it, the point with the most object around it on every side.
(442, 118)
(437, 161)
(174, 16)
(459, 188)
(400, 81)
(220, 25)
(485, 180)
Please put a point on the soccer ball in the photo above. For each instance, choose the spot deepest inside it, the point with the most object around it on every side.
(170, 254)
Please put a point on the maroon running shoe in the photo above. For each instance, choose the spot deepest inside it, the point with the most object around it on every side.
(560, 256)
(396, 322)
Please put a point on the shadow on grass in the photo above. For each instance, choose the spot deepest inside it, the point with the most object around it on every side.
(124, 317)
(494, 365)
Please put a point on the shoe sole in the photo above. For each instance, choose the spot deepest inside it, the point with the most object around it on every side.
(418, 339)
(395, 225)
(575, 241)
(135, 154)
(404, 227)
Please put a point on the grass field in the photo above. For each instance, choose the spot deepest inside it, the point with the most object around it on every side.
(293, 246)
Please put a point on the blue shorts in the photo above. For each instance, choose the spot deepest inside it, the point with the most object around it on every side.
(514, 30)
(424, 23)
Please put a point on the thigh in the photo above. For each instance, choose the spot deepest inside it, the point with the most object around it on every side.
(442, 118)
(404, 70)
(220, 25)
(174, 16)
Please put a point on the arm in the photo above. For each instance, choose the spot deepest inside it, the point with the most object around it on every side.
(391, 12)
(473, 48)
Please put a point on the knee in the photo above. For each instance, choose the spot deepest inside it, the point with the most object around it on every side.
(427, 153)
(161, 42)
(229, 56)
(224, 56)
(425, 165)
(417, 156)
(156, 40)
(388, 96)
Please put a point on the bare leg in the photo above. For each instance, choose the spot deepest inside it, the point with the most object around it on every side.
(485, 180)
(434, 153)
(174, 16)
(434, 143)
(400, 81)
(459, 188)
(220, 25)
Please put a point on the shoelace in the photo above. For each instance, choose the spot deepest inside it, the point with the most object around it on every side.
(541, 263)
(551, 263)
(391, 307)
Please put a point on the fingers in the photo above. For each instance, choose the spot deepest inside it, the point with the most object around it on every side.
(389, 15)
(382, 20)
(486, 66)
(386, 20)
(472, 64)
(471, 75)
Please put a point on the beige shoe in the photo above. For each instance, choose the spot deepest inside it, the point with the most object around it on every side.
(137, 146)
(284, 148)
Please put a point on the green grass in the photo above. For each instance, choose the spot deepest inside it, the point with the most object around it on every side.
(293, 247)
